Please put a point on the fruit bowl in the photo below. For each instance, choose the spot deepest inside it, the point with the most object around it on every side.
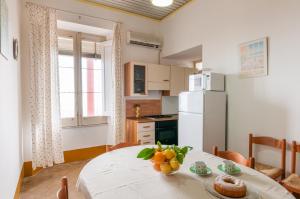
(165, 159)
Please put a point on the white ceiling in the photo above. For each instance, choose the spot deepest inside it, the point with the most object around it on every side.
(143, 7)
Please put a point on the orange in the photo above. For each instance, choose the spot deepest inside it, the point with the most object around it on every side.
(156, 167)
(174, 164)
(165, 168)
(169, 153)
(159, 157)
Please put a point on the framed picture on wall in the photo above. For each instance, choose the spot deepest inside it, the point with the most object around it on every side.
(254, 58)
(3, 29)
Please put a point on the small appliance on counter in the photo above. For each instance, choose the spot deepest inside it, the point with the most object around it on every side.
(206, 81)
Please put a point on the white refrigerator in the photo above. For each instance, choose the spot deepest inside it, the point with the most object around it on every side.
(202, 120)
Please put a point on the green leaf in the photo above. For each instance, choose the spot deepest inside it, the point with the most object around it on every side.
(159, 145)
(177, 149)
(180, 157)
(184, 150)
(149, 155)
(145, 152)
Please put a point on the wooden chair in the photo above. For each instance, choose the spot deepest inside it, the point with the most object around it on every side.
(292, 183)
(121, 145)
(268, 170)
(235, 157)
(63, 191)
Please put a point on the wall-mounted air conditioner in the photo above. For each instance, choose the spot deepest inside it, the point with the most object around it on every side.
(143, 39)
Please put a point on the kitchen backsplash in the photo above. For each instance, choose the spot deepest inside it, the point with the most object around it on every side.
(169, 105)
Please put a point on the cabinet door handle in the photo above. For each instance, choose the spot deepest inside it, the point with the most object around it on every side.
(145, 127)
(146, 142)
(166, 80)
(145, 136)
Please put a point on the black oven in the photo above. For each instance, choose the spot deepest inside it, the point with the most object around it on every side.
(166, 132)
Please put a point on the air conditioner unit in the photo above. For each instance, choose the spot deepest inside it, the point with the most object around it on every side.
(143, 39)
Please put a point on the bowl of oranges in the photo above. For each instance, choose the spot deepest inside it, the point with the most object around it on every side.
(165, 159)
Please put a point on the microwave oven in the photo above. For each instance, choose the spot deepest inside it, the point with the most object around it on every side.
(207, 81)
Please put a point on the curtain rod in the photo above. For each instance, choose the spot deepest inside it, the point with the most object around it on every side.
(80, 14)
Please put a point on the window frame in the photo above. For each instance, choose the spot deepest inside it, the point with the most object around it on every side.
(78, 120)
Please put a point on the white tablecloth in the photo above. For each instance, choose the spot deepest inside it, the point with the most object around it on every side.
(119, 174)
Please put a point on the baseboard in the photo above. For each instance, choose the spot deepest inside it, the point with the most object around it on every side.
(19, 185)
(28, 171)
(70, 156)
(84, 154)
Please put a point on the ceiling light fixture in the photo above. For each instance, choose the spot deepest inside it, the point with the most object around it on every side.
(162, 3)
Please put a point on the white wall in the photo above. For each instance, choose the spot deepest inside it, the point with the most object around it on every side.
(10, 110)
(97, 135)
(169, 105)
(266, 105)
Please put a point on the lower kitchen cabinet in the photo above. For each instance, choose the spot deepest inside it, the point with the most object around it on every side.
(137, 130)
(149, 132)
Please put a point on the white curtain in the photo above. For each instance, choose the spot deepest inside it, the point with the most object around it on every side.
(44, 95)
(118, 113)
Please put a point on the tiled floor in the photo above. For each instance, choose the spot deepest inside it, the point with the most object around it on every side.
(45, 184)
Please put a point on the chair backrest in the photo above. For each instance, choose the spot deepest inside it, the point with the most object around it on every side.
(295, 150)
(235, 157)
(271, 142)
(121, 145)
(63, 191)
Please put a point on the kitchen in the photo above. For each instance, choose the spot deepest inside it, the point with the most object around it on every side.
(175, 107)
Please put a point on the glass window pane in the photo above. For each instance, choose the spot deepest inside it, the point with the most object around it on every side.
(92, 80)
(199, 66)
(67, 105)
(92, 104)
(88, 47)
(66, 77)
(66, 61)
(92, 50)
(65, 45)
(96, 63)
(66, 80)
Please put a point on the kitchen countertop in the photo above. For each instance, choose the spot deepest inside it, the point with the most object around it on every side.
(147, 119)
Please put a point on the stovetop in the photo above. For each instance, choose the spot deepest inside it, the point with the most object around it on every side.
(159, 116)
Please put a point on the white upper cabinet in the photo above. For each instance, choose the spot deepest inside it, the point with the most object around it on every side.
(141, 77)
(158, 77)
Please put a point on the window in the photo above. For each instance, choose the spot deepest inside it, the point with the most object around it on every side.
(81, 77)
(198, 65)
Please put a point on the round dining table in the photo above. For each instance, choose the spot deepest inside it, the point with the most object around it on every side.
(119, 174)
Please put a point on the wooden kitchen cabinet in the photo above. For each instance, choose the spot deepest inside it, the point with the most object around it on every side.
(158, 77)
(141, 77)
(178, 81)
(137, 131)
(135, 79)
